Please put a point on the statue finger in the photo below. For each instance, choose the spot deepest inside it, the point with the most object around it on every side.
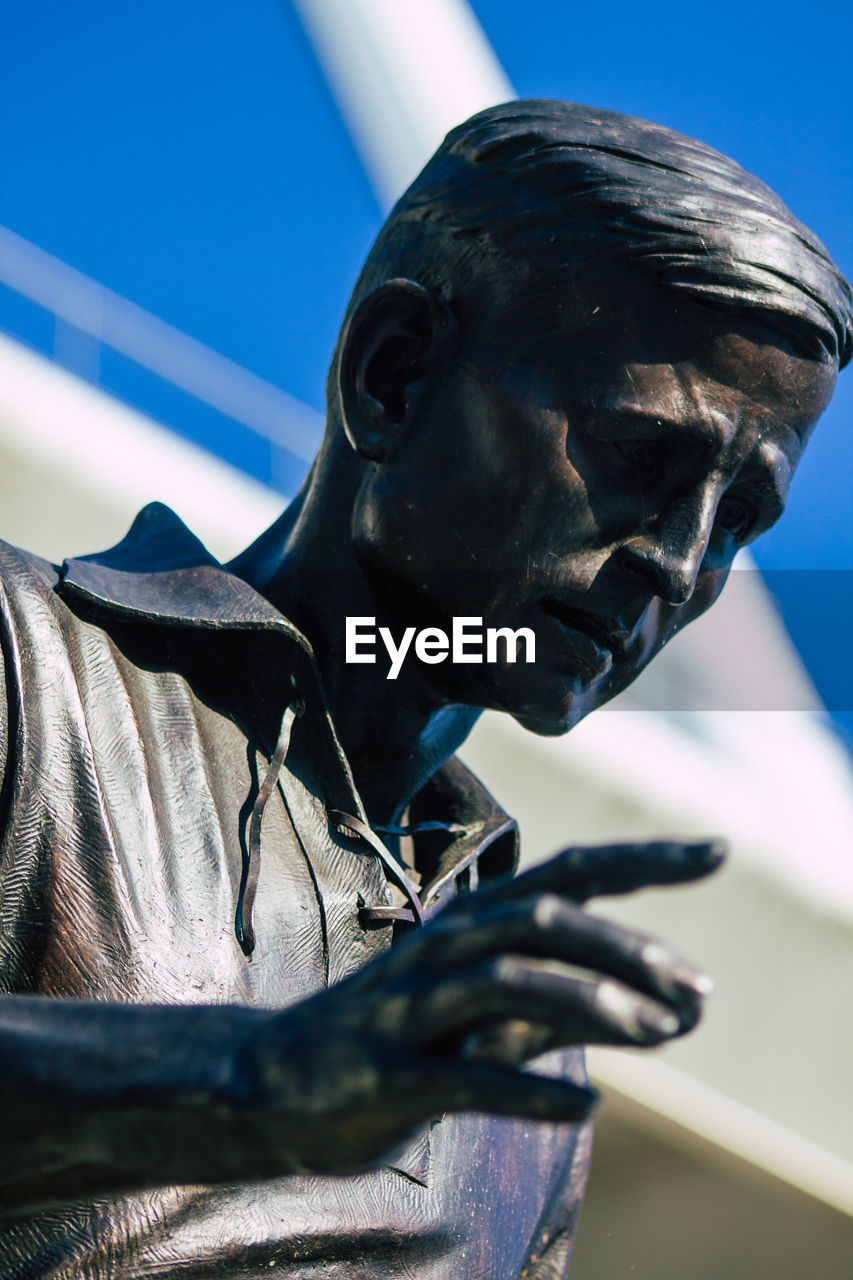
(583, 872)
(550, 927)
(477, 1085)
(574, 1007)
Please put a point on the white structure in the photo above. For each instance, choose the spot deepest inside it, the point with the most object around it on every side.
(77, 465)
(403, 72)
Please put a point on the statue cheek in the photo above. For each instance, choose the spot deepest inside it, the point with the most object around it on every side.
(708, 587)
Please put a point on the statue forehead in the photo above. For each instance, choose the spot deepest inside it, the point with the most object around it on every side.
(615, 335)
(601, 309)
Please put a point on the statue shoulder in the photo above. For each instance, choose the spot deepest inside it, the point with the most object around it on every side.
(28, 629)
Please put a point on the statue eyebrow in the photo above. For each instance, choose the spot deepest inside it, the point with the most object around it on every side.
(766, 469)
(699, 428)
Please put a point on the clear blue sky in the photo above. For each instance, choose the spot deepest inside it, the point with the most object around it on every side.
(189, 156)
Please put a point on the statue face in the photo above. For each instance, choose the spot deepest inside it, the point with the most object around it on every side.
(590, 481)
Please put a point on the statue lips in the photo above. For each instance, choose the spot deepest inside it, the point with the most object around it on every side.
(598, 641)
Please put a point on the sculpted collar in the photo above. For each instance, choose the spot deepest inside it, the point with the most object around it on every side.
(160, 573)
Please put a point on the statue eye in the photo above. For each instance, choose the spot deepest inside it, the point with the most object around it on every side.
(735, 516)
(645, 457)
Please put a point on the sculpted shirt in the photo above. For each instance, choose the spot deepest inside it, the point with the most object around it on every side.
(145, 693)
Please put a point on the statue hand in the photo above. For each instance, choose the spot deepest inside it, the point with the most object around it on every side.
(442, 1021)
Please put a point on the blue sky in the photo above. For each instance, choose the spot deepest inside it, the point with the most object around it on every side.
(189, 156)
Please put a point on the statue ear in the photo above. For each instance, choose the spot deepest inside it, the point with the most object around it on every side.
(389, 341)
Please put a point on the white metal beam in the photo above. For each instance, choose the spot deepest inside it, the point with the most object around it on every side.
(106, 317)
(403, 73)
(76, 465)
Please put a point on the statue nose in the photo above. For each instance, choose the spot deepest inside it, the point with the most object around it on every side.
(669, 552)
(671, 571)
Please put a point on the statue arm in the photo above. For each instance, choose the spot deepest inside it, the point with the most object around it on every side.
(99, 1098)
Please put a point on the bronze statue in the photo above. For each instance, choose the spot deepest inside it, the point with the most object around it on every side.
(301, 995)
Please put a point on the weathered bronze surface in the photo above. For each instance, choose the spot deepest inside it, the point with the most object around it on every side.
(271, 995)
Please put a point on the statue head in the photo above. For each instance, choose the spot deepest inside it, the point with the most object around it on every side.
(578, 370)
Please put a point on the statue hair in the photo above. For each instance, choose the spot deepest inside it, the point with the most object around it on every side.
(552, 187)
